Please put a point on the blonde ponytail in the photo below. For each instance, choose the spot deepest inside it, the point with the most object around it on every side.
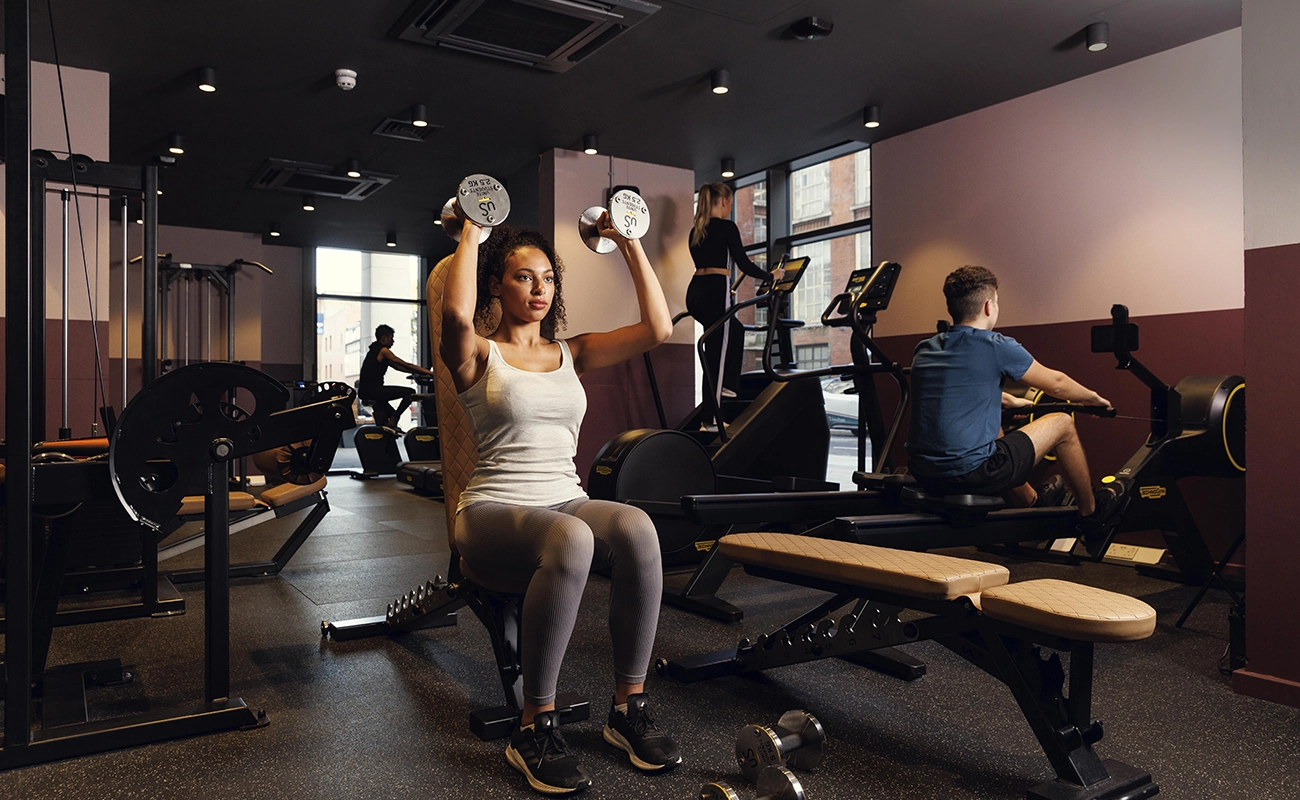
(708, 194)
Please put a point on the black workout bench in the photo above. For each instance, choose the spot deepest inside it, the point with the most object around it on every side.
(972, 610)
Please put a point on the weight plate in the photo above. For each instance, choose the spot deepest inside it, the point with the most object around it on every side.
(718, 791)
(778, 783)
(629, 214)
(161, 449)
(451, 223)
(587, 229)
(757, 746)
(483, 200)
(809, 754)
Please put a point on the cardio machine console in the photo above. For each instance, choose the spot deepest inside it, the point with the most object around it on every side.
(794, 270)
(871, 289)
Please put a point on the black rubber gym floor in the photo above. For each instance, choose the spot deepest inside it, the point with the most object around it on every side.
(385, 718)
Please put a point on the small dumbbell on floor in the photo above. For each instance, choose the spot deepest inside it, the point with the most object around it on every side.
(796, 741)
(628, 214)
(774, 783)
(482, 200)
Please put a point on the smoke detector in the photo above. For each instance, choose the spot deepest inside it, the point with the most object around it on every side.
(346, 79)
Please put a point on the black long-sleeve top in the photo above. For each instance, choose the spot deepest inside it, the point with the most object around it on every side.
(721, 238)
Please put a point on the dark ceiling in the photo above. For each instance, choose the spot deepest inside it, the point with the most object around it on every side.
(646, 93)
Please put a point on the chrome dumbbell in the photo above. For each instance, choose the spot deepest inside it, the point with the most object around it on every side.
(628, 213)
(774, 783)
(482, 200)
(796, 741)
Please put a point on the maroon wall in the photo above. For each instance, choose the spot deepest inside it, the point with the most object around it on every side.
(1273, 504)
(83, 389)
(619, 398)
(1173, 346)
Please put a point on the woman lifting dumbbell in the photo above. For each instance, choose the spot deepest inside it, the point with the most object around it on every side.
(523, 515)
(715, 242)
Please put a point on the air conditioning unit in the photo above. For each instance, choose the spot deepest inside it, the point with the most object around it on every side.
(283, 175)
(548, 34)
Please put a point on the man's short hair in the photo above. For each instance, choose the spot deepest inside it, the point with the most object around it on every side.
(382, 331)
(966, 290)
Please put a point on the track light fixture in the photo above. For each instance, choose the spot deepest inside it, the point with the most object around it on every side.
(174, 144)
(354, 168)
(728, 167)
(207, 79)
(392, 239)
(275, 229)
(589, 144)
(721, 80)
(420, 115)
(1098, 34)
(308, 203)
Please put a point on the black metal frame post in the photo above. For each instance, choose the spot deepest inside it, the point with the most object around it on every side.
(19, 384)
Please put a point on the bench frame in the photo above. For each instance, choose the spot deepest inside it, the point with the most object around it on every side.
(1012, 654)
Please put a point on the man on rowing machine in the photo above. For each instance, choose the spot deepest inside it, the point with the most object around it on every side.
(955, 444)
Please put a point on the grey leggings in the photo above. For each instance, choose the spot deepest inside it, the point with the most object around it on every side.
(554, 549)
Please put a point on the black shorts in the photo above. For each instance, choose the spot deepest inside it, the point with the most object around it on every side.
(1007, 468)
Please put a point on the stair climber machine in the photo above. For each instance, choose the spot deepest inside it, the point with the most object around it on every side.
(778, 500)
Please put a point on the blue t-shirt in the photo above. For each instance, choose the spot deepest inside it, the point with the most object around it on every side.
(957, 398)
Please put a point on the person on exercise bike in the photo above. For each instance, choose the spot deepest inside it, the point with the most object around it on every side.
(371, 388)
(955, 444)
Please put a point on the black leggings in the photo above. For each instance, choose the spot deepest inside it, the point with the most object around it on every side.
(554, 549)
(706, 299)
(378, 397)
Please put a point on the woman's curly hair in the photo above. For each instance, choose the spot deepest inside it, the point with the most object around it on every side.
(492, 257)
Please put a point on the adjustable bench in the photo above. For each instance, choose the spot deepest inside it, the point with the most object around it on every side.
(972, 610)
(247, 511)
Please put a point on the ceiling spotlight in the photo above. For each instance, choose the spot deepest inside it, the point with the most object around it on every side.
(728, 167)
(420, 115)
(308, 203)
(589, 144)
(139, 218)
(275, 229)
(207, 79)
(871, 117)
(354, 168)
(392, 239)
(437, 217)
(721, 80)
(174, 144)
(1098, 36)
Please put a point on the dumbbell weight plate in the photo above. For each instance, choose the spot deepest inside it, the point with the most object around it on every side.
(810, 732)
(483, 200)
(629, 214)
(757, 746)
(587, 230)
(718, 791)
(778, 783)
(451, 224)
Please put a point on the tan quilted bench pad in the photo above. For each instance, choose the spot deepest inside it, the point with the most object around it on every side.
(286, 493)
(1071, 610)
(919, 574)
(193, 504)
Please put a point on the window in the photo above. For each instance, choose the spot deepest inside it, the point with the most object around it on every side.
(814, 291)
(355, 293)
(862, 242)
(812, 356)
(810, 193)
(750, 212)
(862, 178)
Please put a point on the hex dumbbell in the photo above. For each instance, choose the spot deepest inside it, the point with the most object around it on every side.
(628, 213)
(481, 199)
(796, 741)
(774, 783)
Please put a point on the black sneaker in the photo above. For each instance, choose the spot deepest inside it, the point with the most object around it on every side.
(1051, 493)
(541, 753)
(636, 733)
(1098, 528)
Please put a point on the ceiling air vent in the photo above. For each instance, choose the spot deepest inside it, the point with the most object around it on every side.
(406, 130)
(317, 179)
(548, 34)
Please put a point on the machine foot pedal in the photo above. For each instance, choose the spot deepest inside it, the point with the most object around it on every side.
(497, 723)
